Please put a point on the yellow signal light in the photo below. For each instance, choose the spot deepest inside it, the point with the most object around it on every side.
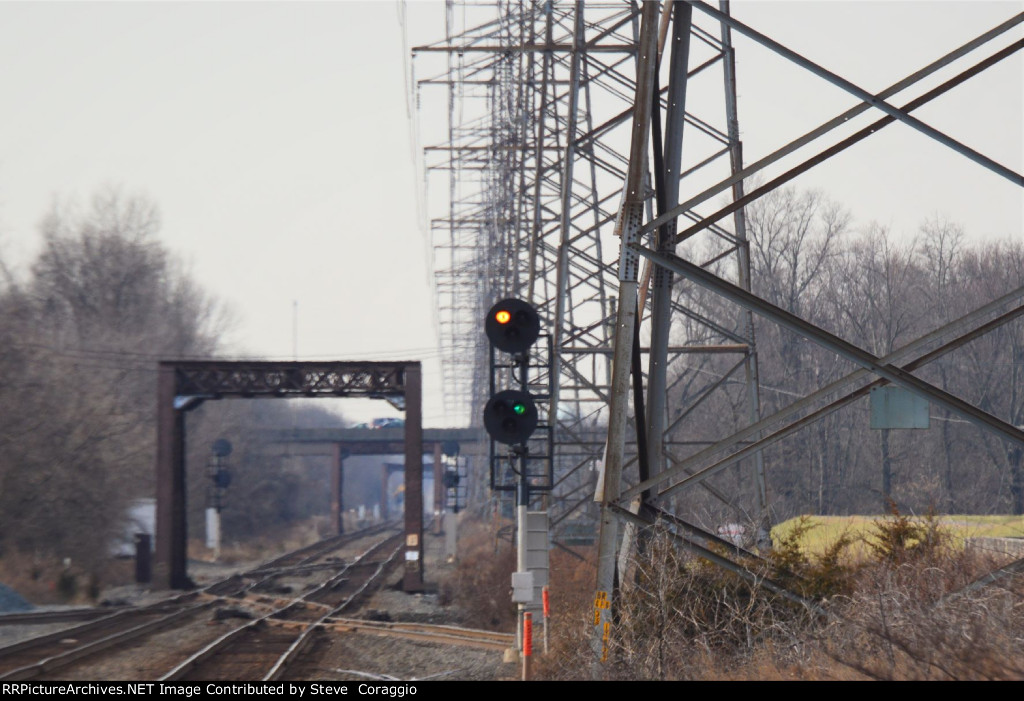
(503, 316)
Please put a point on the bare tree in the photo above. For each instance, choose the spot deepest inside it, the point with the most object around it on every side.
(882, 305)
(81, 338)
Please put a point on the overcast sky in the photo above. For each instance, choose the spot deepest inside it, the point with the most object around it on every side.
(275, 139)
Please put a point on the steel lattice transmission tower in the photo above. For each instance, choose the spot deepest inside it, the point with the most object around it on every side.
(570, 131)
(539, 101)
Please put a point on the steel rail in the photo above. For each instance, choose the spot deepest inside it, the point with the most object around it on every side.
(471, 637)
(44, 617)
(166, 618)
(209, 650)
(64, 658)
(305, 637)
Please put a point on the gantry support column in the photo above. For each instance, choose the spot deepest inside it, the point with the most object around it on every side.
(337, 488)
(385, 497)
(438, 488)
(170, 568)
(413, 579)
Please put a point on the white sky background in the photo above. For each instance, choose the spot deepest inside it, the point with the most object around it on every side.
(276, 142)
(897, 177)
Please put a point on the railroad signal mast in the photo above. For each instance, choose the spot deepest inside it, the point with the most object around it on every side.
(511, 415)
(511, 418)
(220, 479)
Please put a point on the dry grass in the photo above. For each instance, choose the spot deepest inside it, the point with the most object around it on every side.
(891, 613)
(266, 546)
(901, 623)
(43, 581)
(826, 530)
(480, 585)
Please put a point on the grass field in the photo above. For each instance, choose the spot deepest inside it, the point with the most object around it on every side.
(826, 530)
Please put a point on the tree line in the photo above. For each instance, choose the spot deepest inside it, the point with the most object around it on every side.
(81, 332)
(878, 291)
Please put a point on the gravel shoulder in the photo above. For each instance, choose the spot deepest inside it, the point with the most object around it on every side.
(362, 656)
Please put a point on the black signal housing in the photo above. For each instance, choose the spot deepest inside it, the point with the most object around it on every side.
(512, 325)
(510, 416)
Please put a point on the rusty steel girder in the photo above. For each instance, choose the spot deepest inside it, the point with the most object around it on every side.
(184, 384)
(217, 379)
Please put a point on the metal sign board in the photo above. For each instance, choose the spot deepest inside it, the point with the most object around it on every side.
(537, 548)
(895, 407)
(522, 587)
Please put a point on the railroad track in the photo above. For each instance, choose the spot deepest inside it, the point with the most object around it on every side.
(113, 630)
(35, 656)
(266, 646)
(297, 559)
(45, 617)
(451, 635)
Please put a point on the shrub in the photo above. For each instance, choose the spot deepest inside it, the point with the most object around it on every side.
(481, 584)
(902, 612)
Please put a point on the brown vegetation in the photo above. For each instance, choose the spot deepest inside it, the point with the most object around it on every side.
(46, 580)
(879, 290)
(896, 615)
(79, 339)
(80, 336)
(481, 585)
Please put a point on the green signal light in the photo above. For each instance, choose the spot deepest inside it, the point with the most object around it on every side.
(510, 416)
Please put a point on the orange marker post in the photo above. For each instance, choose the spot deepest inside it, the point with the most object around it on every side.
(547, 615)
(527, 643)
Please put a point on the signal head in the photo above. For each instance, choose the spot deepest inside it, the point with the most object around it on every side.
(512, 325)
(510, 416)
